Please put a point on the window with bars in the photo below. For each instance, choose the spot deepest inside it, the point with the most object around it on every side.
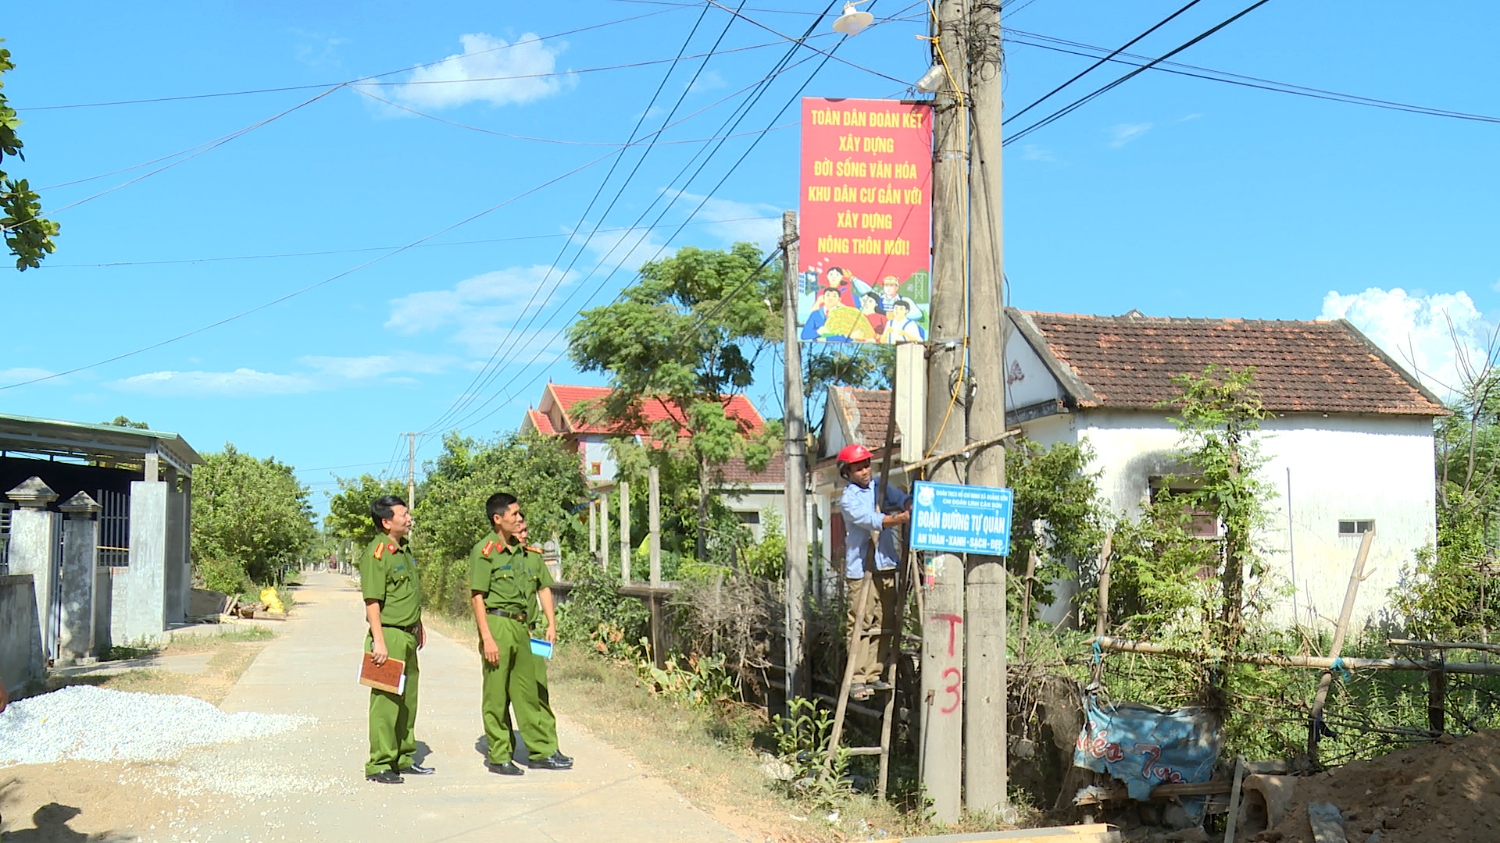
(1355, 527)
(5, 509)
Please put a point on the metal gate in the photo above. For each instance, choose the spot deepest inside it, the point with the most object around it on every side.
(114, 529)
(53, 632)
(5, 510)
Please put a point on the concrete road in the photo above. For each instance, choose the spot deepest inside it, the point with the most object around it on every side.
(310, 785)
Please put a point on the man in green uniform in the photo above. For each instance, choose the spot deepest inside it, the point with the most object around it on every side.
(503, 583)
(544, 603)
(393, 607)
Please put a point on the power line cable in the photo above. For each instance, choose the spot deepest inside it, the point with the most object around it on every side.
(285, 88)
(325, 252)
(515, 334)
(731, 123)
(744, 285)
(1081, 101)
(1031, 39)
(464, 396)
(1080, 74)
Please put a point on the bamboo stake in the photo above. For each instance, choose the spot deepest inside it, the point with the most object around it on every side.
(1103, 616)
(1026, 605)
(1315, 720)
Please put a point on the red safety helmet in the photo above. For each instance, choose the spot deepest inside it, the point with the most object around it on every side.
(854, 453)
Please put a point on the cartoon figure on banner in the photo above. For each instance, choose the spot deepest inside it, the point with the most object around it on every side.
(834, 321)
(839, 278)
(903, 325)
(869, 305)
(890, 288)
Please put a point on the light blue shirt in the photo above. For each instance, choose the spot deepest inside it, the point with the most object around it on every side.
(862, 519)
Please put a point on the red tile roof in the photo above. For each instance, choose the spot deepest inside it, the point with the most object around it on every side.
(540, 422)
(869, 413)
(735, 471)
(654, 410)
(1129, 361)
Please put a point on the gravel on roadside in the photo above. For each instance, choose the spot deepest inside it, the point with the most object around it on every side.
(98, 724)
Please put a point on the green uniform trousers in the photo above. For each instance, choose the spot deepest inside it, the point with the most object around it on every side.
(547, 720)
(393, 717)
(514, 682)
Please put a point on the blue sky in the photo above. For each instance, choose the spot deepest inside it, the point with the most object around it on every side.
(1174, 195)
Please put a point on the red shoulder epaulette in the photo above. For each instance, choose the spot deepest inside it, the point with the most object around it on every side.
(379, 549)
(487, 547)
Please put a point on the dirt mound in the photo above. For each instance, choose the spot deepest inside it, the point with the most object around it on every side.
(1431, 793)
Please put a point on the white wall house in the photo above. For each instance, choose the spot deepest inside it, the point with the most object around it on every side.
(1349, 446)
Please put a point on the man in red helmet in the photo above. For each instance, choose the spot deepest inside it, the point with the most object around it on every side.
(870, 564)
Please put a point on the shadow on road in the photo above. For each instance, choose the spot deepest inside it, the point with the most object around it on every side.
(50, 825)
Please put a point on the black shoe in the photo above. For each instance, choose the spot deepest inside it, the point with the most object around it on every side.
(385, 777)
(551, 762)
(881, 685)
(417, 770)
(509, 768)
(566, 759)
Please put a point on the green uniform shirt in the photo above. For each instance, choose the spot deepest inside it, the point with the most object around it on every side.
(388, 573)
(508, 577)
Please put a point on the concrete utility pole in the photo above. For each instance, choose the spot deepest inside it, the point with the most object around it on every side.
(411, 470)
(796, 473)
(604, 537)
(985, 770)
(947, 376)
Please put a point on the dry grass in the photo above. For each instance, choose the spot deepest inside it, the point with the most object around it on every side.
(230, 654)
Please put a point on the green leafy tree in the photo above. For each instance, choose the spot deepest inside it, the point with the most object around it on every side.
(124, 421)
(1058, 512)
(689, 333)
(251, 519)
(348, 515)
(541, 471)
(28, 235)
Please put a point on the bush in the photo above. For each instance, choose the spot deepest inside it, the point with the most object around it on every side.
(226, 575)
(595, 602)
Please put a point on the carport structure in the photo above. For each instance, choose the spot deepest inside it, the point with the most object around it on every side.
(100, 519)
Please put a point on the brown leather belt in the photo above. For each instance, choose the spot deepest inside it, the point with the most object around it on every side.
(515, 616)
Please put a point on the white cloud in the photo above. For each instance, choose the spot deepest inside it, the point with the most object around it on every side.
(472, 299)
(240, 383)
(620, 249)
(514, 73)
(751, 222)
(1032, 152)
(1126, 132)
(479, 313)
(382, 366)
(1435, 337)
(21, 374)
(706, 82)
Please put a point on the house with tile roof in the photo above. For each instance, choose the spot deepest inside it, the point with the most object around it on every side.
(570, 412)
(1348, 446)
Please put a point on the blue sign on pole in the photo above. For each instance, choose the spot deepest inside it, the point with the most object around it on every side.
(961, 519)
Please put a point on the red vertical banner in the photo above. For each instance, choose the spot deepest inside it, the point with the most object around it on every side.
(865, 221)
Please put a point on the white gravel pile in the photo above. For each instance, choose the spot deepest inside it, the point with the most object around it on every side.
(97, 724)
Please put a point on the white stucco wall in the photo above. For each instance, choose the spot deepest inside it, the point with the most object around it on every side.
(595, 449)
(759, 498)
(1341, 468)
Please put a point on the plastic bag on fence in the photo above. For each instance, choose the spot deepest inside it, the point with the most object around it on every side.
(1144, 746)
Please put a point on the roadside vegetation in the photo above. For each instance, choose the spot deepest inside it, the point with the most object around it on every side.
(227, 656)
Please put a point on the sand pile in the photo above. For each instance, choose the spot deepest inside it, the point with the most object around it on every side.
(1431, 793)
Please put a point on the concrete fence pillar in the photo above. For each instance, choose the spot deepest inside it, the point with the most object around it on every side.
(33, 548)
(145, 608)
(76, 639)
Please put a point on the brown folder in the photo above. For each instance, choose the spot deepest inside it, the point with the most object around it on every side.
(389, 677)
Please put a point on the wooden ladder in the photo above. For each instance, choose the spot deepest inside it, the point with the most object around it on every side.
(856, 632)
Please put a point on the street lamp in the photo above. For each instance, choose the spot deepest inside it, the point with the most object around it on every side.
(853, 21)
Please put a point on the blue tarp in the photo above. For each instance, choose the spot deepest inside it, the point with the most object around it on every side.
(1144, 746)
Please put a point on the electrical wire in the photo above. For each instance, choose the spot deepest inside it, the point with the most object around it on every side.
(844, 61)
(209, 147)
(1031, 39)
(1083, 100)
(325, 252)
(512, 392)
(730, 124)
(1080, 74)
(466, 396)
(285, 88)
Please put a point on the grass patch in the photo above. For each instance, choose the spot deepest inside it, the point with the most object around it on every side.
(229, 655)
